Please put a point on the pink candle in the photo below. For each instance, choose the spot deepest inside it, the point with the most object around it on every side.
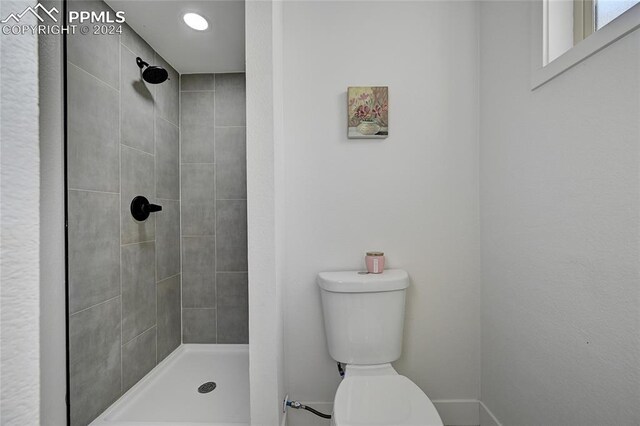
(375, 262)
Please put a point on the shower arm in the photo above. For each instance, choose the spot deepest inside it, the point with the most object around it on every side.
(141, 63)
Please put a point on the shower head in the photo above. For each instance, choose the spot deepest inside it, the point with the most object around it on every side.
(152, 74)
(155, 75)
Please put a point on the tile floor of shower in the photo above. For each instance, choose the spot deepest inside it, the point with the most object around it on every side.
(169, 396)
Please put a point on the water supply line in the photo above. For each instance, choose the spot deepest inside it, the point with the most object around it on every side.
(298, 406)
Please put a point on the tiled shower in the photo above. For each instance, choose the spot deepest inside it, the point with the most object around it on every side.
(214, 206)
(137, 290)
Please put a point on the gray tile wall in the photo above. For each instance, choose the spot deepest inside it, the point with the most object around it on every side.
(214, 209)
(124, 275)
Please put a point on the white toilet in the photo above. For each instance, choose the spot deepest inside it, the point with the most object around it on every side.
(363, 319)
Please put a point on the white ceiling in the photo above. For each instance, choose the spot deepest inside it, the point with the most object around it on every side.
(218, 49)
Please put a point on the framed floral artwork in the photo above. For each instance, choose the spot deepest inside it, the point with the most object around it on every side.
(368, 109)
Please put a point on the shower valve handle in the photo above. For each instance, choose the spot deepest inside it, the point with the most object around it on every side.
(141, 208)
(151, 208)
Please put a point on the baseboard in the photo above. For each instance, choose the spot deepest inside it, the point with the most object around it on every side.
(454, 412)
(458, 412)
(486, 416)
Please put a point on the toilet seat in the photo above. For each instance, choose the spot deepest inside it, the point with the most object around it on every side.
(386, 400)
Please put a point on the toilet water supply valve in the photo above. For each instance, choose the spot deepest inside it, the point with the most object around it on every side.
(299, 406)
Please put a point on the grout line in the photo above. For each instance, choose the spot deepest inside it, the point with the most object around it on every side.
(215, 208)
(180, 243)
(198, 90)
(163, 119)
(138, 149)
(156, 329)
(186, 164)
(232, 272)
(231, 199)
(168, 199)
(93, 306)
(489, 412)
(230, 127)
(130, 49)
(120, 202)
(155, 193)
(168, 278)
(122, 44)
(88, 73)
(137, 242)
(96, 192)
(138, 335)
(209, 309)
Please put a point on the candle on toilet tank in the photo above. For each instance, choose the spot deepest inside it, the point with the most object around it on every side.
(375, 262)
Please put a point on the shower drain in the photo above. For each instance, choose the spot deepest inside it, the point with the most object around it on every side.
(207, 387)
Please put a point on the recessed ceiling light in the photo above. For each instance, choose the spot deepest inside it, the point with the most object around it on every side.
(195, 21)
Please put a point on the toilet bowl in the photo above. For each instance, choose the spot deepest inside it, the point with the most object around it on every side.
(364, 318)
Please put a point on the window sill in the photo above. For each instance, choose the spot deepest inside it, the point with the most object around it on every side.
(615, 30)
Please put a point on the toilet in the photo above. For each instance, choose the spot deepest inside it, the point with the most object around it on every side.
(364, 319)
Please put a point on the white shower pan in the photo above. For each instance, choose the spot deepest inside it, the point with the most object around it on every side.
(168, 395)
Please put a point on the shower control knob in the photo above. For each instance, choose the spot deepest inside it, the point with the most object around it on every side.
(141, 208)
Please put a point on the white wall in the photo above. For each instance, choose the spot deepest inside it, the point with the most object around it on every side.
(413, 195)
(264, 129)
(560, 256)
(19, 225)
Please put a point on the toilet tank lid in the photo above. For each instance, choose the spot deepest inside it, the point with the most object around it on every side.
(358, 282)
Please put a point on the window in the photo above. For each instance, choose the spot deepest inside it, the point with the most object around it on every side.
(583, 19)
(592, 15)
(573, 30)
(571, 21)
(606, 11)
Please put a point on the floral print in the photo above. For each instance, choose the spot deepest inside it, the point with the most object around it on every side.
(368, 104)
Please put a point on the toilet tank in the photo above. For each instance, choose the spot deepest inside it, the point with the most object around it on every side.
(364, 315)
